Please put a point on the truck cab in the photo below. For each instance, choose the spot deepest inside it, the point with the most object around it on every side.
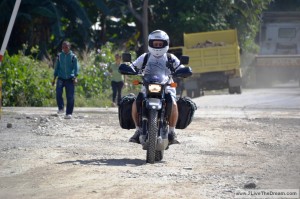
(279, 41)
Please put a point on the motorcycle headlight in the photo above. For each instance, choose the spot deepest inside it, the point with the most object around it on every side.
(154, 88)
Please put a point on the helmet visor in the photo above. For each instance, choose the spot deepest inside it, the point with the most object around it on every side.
(157, 43)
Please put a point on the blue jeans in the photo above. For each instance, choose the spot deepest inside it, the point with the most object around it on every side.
(70, 92)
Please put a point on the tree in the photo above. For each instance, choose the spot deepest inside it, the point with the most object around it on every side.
(176, 17)
(143, 19)
(46, 23)
(245, 16)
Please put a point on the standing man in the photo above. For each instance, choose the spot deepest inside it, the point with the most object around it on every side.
(117, 81)
(66, 72)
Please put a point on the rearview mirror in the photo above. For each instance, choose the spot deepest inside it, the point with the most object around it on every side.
(126, 70)
(183, 72)
(184, 59)
(126, 57)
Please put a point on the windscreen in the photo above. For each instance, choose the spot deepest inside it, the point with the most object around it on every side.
(156, 73)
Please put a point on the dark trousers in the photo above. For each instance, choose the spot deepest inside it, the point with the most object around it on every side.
(117, 90)
(70, 92)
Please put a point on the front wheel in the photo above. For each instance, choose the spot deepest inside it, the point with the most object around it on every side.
(159, 155)
(152, 154)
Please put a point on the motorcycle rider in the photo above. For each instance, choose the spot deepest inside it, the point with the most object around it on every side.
(158, 45)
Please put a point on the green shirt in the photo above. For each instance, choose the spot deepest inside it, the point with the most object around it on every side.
(115, 75)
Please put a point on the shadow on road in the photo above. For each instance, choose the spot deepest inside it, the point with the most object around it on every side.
(107, 162)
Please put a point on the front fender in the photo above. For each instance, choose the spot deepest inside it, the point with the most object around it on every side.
(153, 103)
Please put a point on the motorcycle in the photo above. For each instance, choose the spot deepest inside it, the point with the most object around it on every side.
(155, 107)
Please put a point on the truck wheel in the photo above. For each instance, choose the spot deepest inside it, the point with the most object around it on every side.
(238, 90)
(231, 90)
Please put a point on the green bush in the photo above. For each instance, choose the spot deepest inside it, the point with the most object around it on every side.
(25, 82)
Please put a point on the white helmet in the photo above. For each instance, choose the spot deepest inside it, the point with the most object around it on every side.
(158, 35)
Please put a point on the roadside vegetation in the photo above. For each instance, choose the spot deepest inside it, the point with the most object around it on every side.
(27, 81)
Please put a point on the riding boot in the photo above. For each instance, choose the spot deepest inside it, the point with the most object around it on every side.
(172, 138)
(135, 137)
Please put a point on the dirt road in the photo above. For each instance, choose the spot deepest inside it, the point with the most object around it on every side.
(234, 143)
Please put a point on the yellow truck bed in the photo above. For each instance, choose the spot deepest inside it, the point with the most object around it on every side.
(216, 58)
(213, 59)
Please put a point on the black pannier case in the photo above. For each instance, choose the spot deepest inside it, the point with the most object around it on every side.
(125, 118)
(186, 110)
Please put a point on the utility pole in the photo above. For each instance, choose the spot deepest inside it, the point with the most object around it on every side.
(9, 29)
